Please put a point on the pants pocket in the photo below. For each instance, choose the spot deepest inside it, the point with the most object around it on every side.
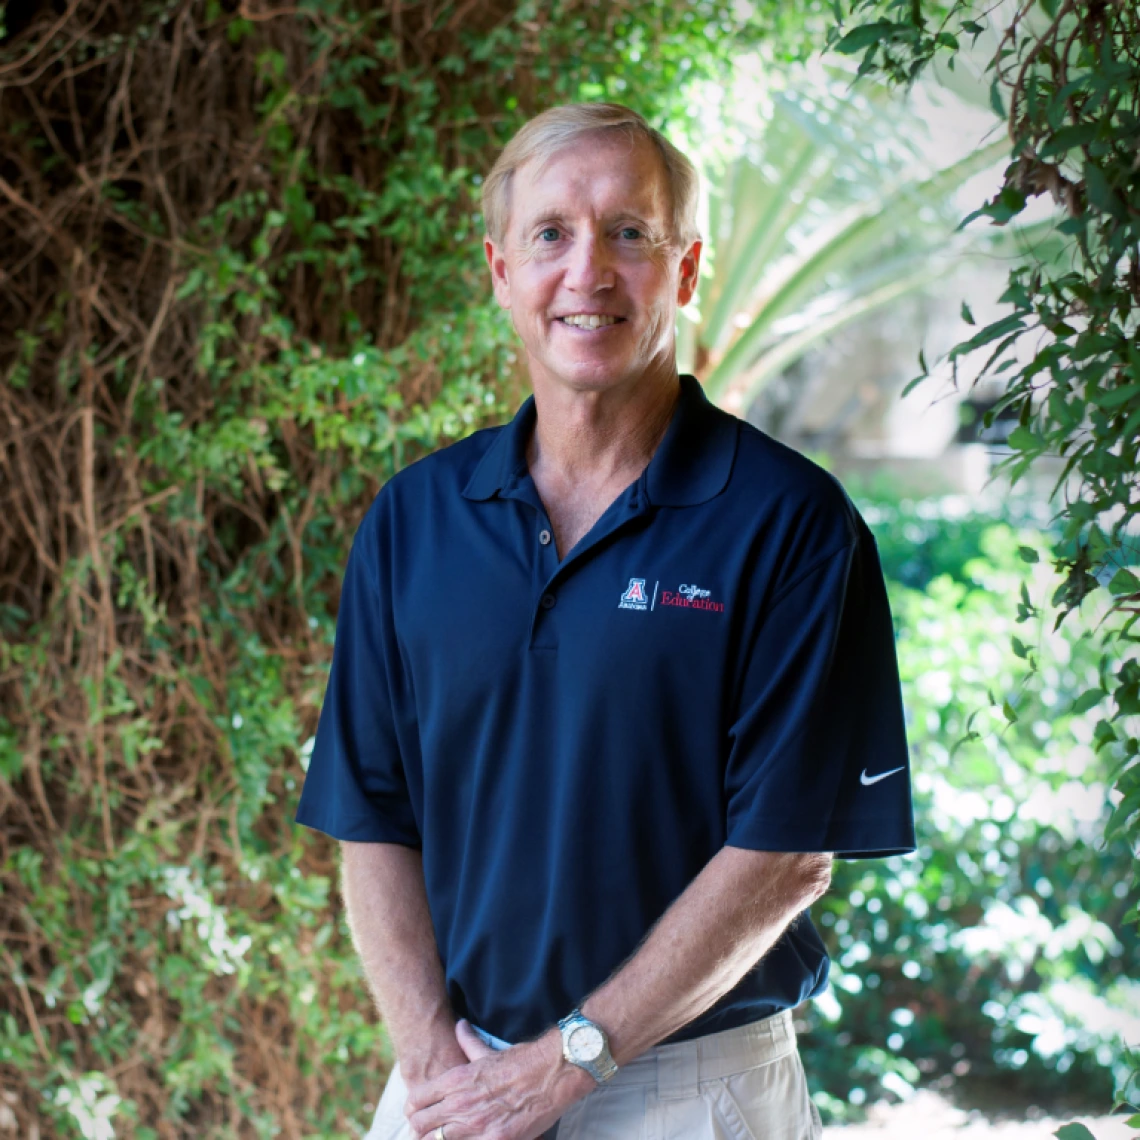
(769, 1102)
(731, 1113)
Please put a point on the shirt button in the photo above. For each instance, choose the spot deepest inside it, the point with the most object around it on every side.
(547, 601)
(544, 537)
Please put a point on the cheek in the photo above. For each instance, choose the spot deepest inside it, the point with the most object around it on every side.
(655, 281)
(532, 283)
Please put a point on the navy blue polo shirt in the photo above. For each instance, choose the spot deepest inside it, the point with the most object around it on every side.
(569, 742)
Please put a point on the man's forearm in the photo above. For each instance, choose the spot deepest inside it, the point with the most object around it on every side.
(713, 934)
(719, 928)
(386, 902)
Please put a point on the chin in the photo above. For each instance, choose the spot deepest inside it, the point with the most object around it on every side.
(595, 377)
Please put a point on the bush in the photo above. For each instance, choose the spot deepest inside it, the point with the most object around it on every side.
(998, 955)
(242, 285)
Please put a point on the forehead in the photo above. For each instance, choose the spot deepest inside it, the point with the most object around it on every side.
(594, 175)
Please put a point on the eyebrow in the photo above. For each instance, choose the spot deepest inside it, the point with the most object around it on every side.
(557, 216)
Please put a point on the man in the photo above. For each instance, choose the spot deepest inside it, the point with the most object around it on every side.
(611, 683)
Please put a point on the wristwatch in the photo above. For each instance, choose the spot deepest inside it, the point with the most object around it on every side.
(584, 1043)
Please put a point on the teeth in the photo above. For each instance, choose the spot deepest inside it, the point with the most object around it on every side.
(589, 322)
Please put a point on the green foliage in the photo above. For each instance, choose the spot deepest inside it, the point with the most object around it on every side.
(243, 285)
(826, 211)
(1066, 77)
(1074, 1132)
(997, 955)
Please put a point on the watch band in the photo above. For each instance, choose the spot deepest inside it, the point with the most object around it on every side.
(603, 1066)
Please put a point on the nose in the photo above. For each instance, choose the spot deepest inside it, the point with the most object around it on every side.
(590, 267)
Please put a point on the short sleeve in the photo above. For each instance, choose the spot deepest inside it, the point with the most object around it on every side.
(355, 787)
(818, 756)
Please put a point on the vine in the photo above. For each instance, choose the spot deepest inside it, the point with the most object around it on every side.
(241, 286)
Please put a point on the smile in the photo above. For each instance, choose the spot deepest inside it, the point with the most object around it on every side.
(589, 321)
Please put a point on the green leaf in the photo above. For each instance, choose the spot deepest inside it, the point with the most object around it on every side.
(996, 103)
(1023, 439)
(1064, 140)
(1077, 225)
(1123, 582)
(1028, 554)
(1009, 712)
(864, 36)
(1005, 205)
(1101, 194)
(192, 284)
(1019, 648)
(1114, 397)
(1103, 734)
(1089, 699)
(989, 334)
(967, 316)
(912, 384)
(1073, 1131)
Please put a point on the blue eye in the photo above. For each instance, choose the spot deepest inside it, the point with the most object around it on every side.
(549, 230)
(628, 230)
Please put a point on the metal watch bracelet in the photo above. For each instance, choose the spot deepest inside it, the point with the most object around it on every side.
(602, 1066)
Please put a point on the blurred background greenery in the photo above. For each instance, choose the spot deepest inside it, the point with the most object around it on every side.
(997, 959)
(242, 286)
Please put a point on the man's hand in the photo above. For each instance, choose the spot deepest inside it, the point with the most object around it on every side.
(516, 1094)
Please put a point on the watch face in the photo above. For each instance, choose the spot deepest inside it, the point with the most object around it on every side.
(586, 1044)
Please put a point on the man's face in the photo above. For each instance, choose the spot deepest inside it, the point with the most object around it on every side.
(591, 234)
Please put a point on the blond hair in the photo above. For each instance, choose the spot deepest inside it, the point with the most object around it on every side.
(555, 129)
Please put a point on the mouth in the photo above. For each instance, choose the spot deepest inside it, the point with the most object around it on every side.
(590, 322)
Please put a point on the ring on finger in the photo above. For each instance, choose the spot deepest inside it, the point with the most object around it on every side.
(439, 1134)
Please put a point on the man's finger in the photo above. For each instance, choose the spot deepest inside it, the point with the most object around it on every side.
(431, 1092)
(423, 1096)
(470, 1041)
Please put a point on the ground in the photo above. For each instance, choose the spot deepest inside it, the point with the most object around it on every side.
(934, 1118)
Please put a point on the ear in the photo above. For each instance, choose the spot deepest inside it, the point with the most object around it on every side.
(497, 263)
(690, 273)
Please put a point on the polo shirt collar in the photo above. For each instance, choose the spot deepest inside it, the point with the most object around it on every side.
(691, 465)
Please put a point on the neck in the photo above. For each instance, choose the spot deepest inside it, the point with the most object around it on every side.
(592, 438)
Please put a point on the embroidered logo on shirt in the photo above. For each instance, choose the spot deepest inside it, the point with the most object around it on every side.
(691, 597)
(634, 597)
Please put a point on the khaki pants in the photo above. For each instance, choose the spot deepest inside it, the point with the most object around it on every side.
(740, 1084)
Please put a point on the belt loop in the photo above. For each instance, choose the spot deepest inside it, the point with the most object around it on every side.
(678, 1070)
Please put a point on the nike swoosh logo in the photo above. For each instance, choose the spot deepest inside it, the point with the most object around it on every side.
(867, 781)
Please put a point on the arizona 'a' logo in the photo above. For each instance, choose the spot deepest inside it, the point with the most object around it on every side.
(634, 597)
(635, 591)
